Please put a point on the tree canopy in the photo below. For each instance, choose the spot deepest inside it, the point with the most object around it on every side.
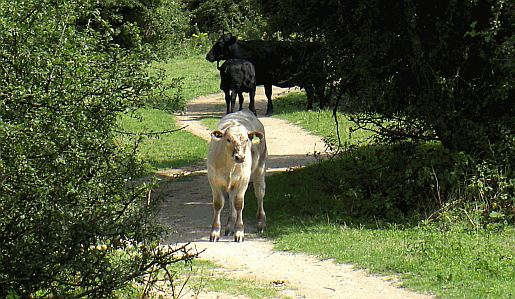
(416, 70)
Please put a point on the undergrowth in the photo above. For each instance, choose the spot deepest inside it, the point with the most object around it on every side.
(366, 181)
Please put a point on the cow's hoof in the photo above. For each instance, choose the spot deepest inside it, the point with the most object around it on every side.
(214, 237)
(239, 237)
(261, 227)
(261, 223)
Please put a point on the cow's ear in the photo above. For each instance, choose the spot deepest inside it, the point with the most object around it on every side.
(227, 37)
(255, 137)
(217, 134)
(232, 39)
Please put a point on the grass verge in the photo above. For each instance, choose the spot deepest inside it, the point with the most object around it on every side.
(454, 263)
(204, 276)
(448, 254)
(199, 76)
(169, 150)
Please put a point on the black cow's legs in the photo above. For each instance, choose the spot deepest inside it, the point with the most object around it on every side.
(270, 106)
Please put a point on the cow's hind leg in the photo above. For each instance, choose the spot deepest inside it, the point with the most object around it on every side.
(218, 205)
(233, 100)
(268, 93)
(252, 95)
(240, 98)
(259, 191)
(229, 229)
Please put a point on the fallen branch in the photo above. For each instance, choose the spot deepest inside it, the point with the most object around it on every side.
(150, 134)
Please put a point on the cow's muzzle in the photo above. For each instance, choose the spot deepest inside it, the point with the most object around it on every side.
(239, 158)
(238, 155)
(210, 57)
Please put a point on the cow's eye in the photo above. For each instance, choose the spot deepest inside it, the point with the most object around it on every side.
(228, 140)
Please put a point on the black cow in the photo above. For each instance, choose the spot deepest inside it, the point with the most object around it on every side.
(237, 76)
(279, 63)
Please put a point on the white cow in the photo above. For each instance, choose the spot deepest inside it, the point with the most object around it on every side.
(237, 155)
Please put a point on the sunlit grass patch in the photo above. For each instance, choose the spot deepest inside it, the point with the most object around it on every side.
(199, 77)
(207, 276)
(450, 264)
(179, 148)
(168, 150)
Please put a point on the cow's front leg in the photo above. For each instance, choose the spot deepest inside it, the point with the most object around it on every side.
(228, 100)
(218, 204)
(239, 233)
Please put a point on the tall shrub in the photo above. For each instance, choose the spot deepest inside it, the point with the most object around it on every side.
(71, 224)
(242, 18)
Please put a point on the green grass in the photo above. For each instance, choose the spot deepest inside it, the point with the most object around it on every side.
(200, 77)
(452, 263)
(292, 107)
(180, 148)
(208, 276)
(448, 254)
(169, 150)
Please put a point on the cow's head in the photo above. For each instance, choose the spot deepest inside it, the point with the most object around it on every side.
(237, 141)
(222, 48)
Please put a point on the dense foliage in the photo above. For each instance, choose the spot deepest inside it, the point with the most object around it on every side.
(160, 23)
(421, 71)
(71, 223)
(416, 71)
(242, 18)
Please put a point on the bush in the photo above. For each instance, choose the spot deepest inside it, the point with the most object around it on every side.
(399, 183)
(162, 24)
(242, 18)
(71, 222)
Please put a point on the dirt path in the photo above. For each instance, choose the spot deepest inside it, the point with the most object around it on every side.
(188, 210)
